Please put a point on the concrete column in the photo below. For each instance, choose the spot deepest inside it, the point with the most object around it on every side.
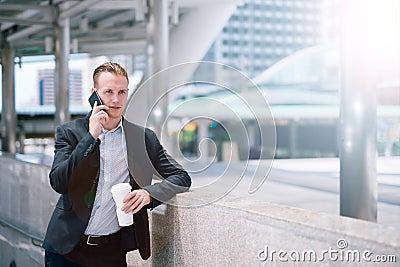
(158, 54)
(61, 72)
(358, 118)
(150, 28)
(293, 138)
(8, 117)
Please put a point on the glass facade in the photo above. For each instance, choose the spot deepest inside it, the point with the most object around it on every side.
(261, 33)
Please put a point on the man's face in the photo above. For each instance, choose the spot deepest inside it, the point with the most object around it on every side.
(113, 91)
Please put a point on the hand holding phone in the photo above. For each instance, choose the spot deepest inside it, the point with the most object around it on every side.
(97, 117)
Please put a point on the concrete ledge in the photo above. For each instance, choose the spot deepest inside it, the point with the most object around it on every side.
(27, 202)
(239, 232)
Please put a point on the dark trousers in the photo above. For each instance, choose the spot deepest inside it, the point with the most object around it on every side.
(56, 260)
(109, 254)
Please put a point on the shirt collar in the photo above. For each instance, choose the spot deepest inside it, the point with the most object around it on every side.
(112, 130)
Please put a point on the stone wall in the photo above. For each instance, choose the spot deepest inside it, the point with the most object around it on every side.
(240, 232)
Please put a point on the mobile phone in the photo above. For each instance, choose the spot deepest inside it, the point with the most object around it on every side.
(95, 97)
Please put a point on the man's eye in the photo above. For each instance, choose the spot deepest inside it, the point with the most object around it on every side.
(122, 92)
(108, 92)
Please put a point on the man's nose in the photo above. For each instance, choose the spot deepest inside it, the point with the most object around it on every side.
(115, 98)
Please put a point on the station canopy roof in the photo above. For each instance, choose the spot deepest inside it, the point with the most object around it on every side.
(98, 27)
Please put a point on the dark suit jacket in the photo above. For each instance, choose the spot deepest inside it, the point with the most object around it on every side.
(74, 174)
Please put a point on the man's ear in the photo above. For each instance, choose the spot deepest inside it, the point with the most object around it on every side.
(93, 89)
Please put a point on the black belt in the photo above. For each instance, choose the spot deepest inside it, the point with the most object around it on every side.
(94, 240)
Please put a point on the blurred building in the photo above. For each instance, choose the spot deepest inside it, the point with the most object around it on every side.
(303, 95)
(261, 32)
(47, 91)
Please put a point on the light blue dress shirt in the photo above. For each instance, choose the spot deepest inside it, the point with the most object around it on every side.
(113, 170)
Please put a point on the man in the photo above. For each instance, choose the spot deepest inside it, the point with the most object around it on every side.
(91, 155)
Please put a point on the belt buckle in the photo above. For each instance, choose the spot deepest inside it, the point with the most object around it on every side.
(88, 240)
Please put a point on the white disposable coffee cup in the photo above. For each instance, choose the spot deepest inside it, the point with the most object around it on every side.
(119, 192)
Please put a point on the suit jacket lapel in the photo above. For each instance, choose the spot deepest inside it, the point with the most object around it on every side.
(139, 164)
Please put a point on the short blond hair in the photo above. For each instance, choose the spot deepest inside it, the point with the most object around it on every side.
(112, 67)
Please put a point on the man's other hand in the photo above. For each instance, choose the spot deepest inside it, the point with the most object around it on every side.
(136, 200)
